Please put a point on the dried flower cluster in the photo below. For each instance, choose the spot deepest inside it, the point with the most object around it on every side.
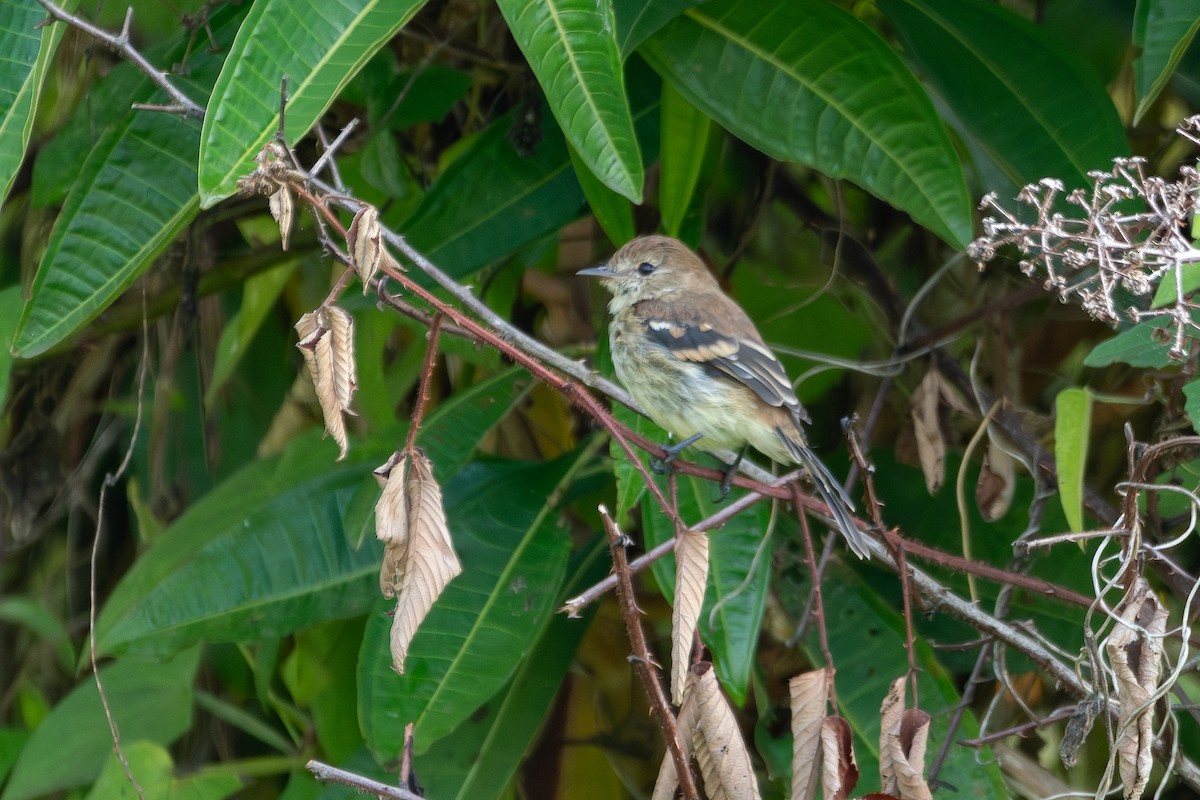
(1108, 248)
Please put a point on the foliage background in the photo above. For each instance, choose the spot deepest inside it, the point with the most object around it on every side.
(825, 156)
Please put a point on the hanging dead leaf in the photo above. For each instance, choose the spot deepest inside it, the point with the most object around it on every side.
(931, 446)
(1078, 727)
(809, 694)
(327, 343)
(668, 777)
(1135, 651)
(997, 482)
(839, 770)
(391, 522)
(717, 741)
(365, 241)
(691, 578)
(903, 735)
(430, 562)
(283, 209)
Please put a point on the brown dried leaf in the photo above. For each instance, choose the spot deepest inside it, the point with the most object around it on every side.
(316, 343)
(931, 446)
(903, 735)
(997, 482)
(809, 694)
(668, 777)
(839, 770)
(431, 562)
(717, 741)
(691, 578)
(391, 522)
(1137, 661)
(365, 240)
(344, 369)
(283, 209)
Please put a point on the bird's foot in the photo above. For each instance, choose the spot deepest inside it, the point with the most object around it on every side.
(727, 480)
(662, 466)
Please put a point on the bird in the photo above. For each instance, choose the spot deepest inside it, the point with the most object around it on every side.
(697, 365)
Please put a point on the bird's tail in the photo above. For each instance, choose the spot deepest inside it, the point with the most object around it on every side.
(841, 507)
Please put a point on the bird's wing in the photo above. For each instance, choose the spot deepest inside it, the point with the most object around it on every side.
(699, 341)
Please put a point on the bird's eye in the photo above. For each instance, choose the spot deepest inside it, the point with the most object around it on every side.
(646, 268)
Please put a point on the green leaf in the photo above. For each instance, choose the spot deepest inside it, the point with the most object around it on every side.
(685, 130)
(991, 67)
(151, 764)
(479, 761)
(69, 747)
(638, 20)
(1188, 277)
(1162, 32)
(738, 575)
(514, 556)
(1143, 345)
(128, 202)
(270, 550)
(1191, 395)
(27, 54)
(1072, 432)
(805, 81)
(10, 311)
(319, 45)
(612, 211)
(572, 47)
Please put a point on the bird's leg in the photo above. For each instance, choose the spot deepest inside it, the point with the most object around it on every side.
(730, 471)
(662, 466)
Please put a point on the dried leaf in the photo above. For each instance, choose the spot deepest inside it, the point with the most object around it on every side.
(365, 240)
(809, 693)
(430, 563)
(668, 777)
(839, 770)
(1078, 727)
(903, 736)
(931, 446)
(1135, 651)
(997, 482)
(717, 741)
(283, 209)
(327, 343)
(691, 578)
(391, 522)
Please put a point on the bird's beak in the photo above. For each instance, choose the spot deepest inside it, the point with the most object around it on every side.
(600, 271)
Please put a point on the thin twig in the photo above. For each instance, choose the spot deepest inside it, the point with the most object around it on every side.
(426, 382)
(329, 774)
(120, 45)
(642, 660)
(818, 604)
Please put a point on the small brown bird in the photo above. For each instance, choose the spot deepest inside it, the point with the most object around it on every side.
(697, 365)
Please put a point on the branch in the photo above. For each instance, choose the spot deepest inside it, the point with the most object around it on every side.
(324, 772)
(119, 44)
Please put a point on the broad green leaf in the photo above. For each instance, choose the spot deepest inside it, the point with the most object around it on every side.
(480, 759)
(42, 622)
(1072, 432)
(990, 67)
(10, 311)
(637, 20)
(1143, 345)
(318, 45)
(738, 575)
(866, 637)
(271, 549)
(151, 701)
(685, 131)
(503, 517)
(27, 54)
(1191, 396)
(805, 81)
(1188, 278)
(132, 196)
(1162, 32)
(612, 211)
(259, 293)
(572, 47)
(151, 764)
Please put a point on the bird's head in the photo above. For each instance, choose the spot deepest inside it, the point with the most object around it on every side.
(649, 268)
